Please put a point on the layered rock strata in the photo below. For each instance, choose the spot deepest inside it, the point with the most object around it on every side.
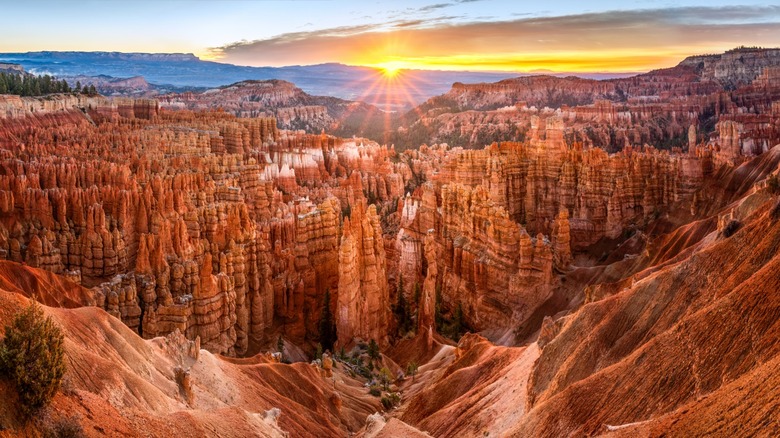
(222, 228)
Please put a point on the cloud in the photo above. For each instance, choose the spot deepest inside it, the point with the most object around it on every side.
(430, 8)
(606, 41)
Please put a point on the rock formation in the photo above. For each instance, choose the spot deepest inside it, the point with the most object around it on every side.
(503, 217)
(363, 309)
(289, 105)
(622, 250)
(220, 227)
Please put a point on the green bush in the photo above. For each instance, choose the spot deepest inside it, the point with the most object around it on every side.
(385, 378)
(387, 403)
(391, 400)
(376, 392)
(411, 369)
(32, 356)
(373, 350)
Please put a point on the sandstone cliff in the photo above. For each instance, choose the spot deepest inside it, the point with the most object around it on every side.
(220, 227)
(504, 218)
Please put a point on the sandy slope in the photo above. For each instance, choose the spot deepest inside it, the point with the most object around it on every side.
(681, 340)
(118, 384)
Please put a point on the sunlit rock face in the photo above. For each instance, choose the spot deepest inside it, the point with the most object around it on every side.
(224, 228)
(657, 108)
(231, 229)
(502, 219)
(363, 301)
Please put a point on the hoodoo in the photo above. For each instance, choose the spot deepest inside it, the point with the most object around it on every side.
(522, 256)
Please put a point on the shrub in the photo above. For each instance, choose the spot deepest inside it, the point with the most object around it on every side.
(33, 357)
(390, 400)
(376, 392)
(775, 212)
(385, 378)
(66, 427)
(773, 184)
(731, 228)
(328, 335)
(373, 350)
(411, 369)
(387, 403)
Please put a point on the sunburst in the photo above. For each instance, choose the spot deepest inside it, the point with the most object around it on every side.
(390, 69)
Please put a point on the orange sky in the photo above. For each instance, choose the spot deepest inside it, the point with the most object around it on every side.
(508, 35)
(613, 41)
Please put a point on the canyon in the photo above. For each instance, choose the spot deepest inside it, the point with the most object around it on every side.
(654, 108)
(609, 269)
(289, 105)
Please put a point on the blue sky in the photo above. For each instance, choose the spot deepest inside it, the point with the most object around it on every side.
(408, 32)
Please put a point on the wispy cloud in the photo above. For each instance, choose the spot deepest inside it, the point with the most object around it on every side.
(430, 8)
(615, 40)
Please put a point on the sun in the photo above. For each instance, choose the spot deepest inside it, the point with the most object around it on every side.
(390, 69)
(390, 72)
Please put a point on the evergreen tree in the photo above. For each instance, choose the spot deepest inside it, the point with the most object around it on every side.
(402, 313)
(457, 322)
(373, 350)
(411, 369)
(385, 378)
(35, 88)
(437, 316)
(32, 355)
(327, 325)
(29, 85)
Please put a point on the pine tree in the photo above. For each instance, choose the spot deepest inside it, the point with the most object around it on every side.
(411, 369)
(385, 377)
(32, 355)
(373, 350)
(457, 322)
(437, 316)
(402, 315)
(327, 325)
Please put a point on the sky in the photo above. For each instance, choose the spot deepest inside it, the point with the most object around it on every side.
(493, 35)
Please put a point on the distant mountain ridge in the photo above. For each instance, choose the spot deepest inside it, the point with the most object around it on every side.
(292, 107)
(179, 70)
(185, 70)
(11, 68)
(695, 75)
